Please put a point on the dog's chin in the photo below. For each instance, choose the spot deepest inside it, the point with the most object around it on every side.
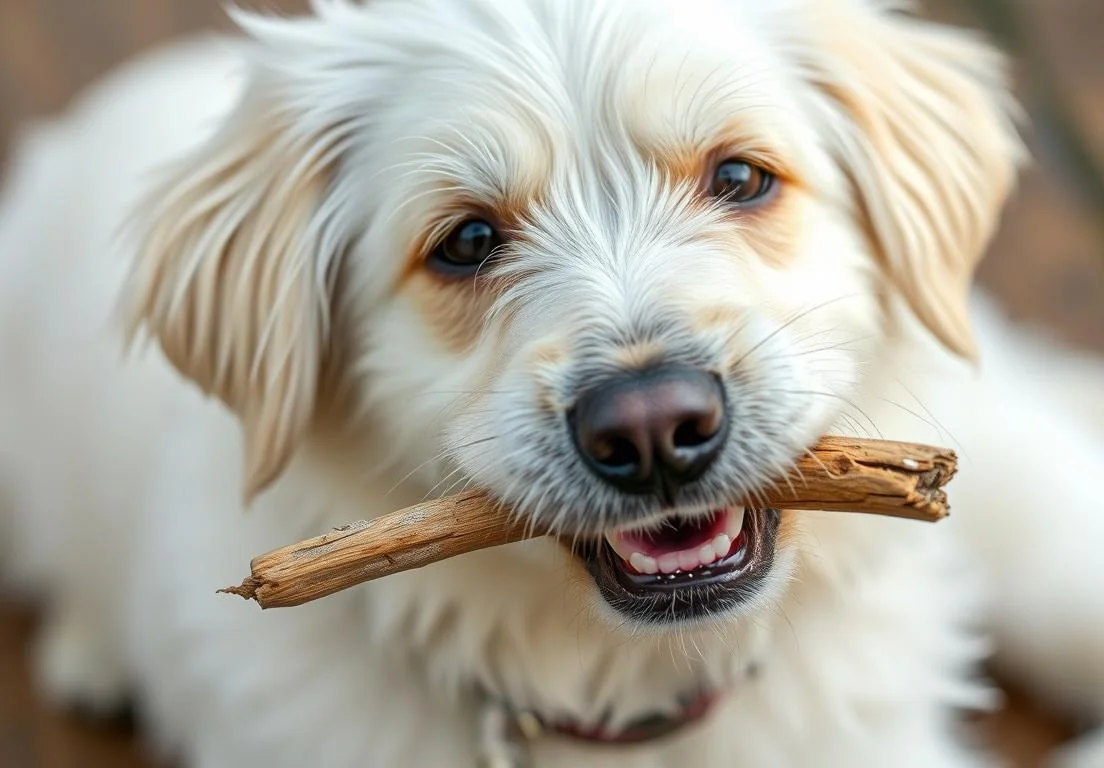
(685, 567)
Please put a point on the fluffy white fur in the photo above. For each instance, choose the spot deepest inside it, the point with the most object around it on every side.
(292, 179)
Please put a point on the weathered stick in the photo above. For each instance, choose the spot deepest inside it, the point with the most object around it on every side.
(839, 474)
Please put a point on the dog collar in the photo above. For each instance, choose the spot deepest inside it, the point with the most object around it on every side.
(506, 732)
(529, 726)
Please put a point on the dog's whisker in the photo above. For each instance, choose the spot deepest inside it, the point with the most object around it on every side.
(934, 422)
(830, 395)
(795, 317)
(432, 492)
(443, 454)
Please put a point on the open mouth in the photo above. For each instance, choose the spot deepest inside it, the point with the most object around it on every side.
(685, 567)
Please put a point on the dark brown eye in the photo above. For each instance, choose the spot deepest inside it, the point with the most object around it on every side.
(466, 249)
(738, 182)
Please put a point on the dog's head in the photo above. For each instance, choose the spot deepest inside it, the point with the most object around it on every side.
(618, 261)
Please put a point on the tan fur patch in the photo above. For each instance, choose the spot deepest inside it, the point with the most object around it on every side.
(547, 359)
(682, 164)
(639, 355)
(549, 353)
(714, 316)
(772, 229)
(454, 311)
(789, 529)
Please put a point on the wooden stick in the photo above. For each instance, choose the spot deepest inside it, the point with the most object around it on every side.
(838, 474)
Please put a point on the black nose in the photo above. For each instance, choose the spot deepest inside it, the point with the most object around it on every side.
(652, 431)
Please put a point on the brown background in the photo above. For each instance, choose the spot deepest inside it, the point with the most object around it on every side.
(1047, 263)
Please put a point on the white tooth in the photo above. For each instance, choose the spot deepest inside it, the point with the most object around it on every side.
(707, 554)
(643, 564)
(688, 560)
(734, 522)
(722, 542)
(669, 562)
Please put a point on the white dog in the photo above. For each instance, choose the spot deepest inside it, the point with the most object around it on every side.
(618, 261)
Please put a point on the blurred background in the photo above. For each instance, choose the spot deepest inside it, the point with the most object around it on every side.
(1046, 265)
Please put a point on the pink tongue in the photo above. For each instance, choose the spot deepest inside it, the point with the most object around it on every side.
(676, 535)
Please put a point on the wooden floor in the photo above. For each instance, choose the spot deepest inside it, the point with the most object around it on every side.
(1047, 265)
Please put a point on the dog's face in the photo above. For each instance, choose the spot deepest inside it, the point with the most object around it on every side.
(618, 262)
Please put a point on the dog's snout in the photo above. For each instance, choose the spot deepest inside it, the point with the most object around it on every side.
(652, 431)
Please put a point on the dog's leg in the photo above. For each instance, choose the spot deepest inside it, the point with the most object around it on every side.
(77, 663)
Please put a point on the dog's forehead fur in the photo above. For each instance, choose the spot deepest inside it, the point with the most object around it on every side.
(574, 110)
(587, 130)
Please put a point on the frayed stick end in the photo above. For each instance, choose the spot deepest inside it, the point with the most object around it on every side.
(247, 590)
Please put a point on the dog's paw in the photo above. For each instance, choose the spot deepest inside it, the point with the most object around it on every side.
(1085, 752)
(78, 670)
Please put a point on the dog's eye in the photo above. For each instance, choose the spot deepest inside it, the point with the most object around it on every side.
(466, 248)
(738, 181)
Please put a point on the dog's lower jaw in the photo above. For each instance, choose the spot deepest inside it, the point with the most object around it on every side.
(711, 587)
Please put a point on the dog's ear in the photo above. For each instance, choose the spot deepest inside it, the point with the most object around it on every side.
(923, 126)
(237, 255)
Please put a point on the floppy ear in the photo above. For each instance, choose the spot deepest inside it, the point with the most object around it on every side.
(237, 256)
(923, 128)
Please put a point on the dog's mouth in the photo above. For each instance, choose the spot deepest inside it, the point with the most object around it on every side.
(685, 567)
